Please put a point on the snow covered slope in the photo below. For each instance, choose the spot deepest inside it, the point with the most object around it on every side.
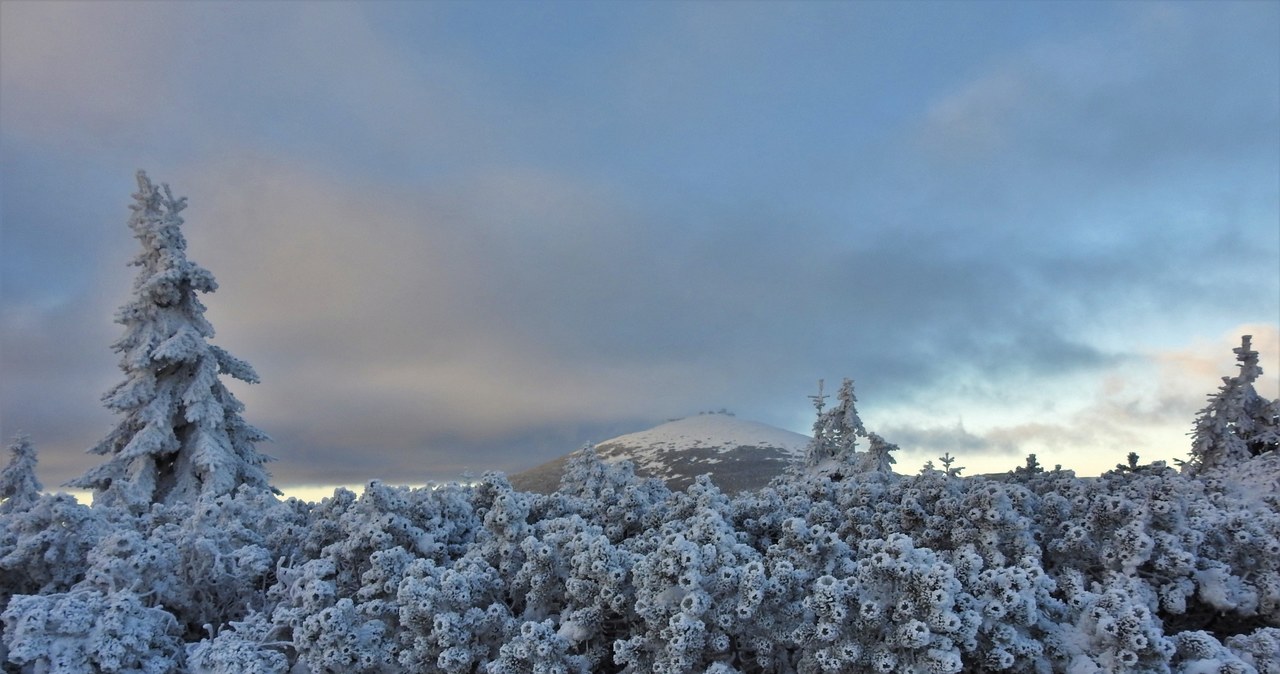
(739, 454)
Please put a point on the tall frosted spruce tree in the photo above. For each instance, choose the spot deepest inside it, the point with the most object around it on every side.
(1238, 423)
(181, 436)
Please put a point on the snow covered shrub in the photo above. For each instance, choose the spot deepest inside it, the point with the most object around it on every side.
(248, 645)
(1198, 652)
(997, 519)
(336, 633)
(900, 611)
(537, 648)
(506, 524)
(1261, 649)
(253, 517)
(813, 548)
(860, 507)
(448, 515)
(1116, 628)
(128, 559)
(452, 619)
(558, 565)
(344, 638)
(87, 632)
(44, 546)
(302, 590)
(1045, 573)
(347, 529)
(611, 495)
(932, 508)
(759, 515)
(697, 587)
(537, 588)
(1015, 609)
(599, 597)
(374, 596)
(1208, 550)
(206, 563)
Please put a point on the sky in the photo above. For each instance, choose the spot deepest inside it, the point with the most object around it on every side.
(460, 237)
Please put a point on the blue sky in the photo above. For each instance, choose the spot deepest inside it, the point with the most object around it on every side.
(471, 236)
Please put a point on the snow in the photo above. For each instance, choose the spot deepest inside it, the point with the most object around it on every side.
(720, 433)
(715, 431)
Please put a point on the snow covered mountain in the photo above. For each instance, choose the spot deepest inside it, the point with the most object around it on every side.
(739, 454)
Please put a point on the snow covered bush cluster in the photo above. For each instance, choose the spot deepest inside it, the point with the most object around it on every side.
(189, 562)
(1138, 570)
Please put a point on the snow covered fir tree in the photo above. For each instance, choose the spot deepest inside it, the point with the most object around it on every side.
(834, 449)
(1237, 423)
(187, 560)
(181, 435)
(19, 486)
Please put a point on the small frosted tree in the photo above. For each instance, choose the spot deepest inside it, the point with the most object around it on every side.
(820, 447)
(181, 436)
(19, 487)
(948, 465)
(835, 430)
(1237, 424)
(1030, 468)
(880, 453)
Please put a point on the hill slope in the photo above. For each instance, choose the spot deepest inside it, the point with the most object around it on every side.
(739, 454)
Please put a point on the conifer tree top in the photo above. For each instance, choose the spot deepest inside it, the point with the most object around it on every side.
(18, 484)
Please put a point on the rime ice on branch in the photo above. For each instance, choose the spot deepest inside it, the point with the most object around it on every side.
(181, 436)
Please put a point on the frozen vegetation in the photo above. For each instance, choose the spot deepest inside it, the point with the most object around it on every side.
(189, 562)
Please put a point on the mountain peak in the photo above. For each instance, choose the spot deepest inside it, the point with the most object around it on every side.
(738, 453)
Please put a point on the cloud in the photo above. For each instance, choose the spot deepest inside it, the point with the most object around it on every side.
(406, 317)
(942, 439)
(84, 72)
(1124, 99)
(1100, 178)
(186, 79)
(447, 237)
(1107, 154)
(383, 321)
(523, 298)
(1205, 361)
(975, 121)
(56, 366)
(1145, 403)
